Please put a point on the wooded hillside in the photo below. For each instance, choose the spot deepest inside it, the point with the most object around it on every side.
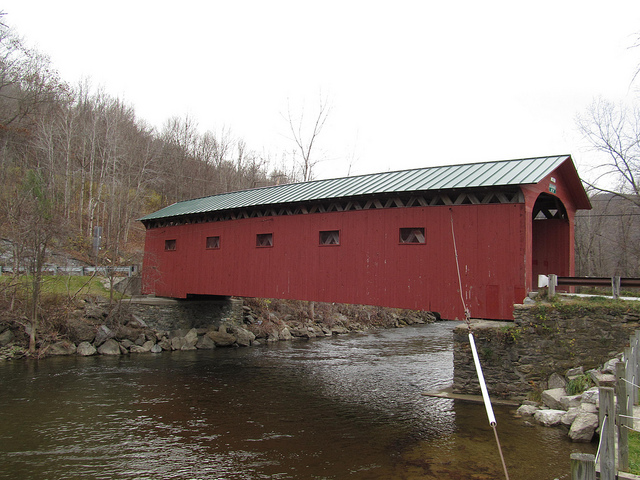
(73, 158)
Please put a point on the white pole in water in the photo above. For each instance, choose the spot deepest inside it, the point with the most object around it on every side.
(483, 386)
(487, 402)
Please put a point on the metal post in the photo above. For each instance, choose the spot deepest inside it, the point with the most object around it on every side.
(629, 371)
(622, 422)
(583, 466)
(633, 360)
(553, 282)
(615, 287)
(607, 453)
(636, 364)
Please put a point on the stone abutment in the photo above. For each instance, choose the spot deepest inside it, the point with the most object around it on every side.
(518, 357)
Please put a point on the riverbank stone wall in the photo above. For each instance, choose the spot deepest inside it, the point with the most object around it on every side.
(518, 357)
(166, 314)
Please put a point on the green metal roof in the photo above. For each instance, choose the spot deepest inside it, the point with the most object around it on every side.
(470, 175)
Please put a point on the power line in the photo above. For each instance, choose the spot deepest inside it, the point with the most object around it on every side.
(587, 215)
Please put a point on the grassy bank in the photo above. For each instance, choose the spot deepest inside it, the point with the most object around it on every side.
(60, 296)
(71, 286)
(634, 452)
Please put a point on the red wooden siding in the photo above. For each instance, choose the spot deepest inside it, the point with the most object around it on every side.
(370, 266)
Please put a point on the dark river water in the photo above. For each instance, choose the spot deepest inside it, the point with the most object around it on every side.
(343, 407)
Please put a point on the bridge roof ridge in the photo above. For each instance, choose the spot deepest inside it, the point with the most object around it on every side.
(468, 175)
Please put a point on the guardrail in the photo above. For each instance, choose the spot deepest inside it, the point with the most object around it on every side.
(552, 281)
(57, 270)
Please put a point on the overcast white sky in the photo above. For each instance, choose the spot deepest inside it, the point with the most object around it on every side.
(410, 83)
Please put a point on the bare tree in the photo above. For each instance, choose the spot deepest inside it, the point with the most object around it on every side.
(35, 227)
(305, 135)
(614, 132)
(608, 238)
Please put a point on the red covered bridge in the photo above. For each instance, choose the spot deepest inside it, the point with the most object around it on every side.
(381, 239)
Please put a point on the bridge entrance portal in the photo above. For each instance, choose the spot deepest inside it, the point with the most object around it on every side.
(551, 238)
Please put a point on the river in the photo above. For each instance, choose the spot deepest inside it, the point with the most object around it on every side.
(341, 407)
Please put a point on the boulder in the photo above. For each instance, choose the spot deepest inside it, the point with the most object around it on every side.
(81, 331)
(588, 407)
(556, 381)
(177, 333)
(122, 332)
(552, 398)
(6, 338)
(103, 334)
(165, 344)
(109, 347)
(339, 330)
(583, 427)
(190, 339)
(299, 331)
(591, 396)
(244, 337)
(317, 329)
(603, 379)
(144, 348)
(527, 410)
(574, 372)
(610, 366)
(285, 334)
(140, 339)
(95, 311)
(272, 333)
(570, 401)
(177, 343)
(85, 349)
(156, 348)
(221, 338)
(205, 343)
(136, 322)
(570, 416)
(549, 418)
(63, 347)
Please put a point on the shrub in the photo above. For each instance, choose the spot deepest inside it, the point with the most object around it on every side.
(579, 384)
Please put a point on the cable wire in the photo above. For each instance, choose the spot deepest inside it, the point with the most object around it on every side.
(476, 360)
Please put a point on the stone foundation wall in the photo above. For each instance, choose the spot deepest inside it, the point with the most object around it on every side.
(165, 314)
(517, 358)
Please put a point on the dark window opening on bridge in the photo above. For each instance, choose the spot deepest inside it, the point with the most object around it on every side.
(264, 240)
(330, 237)
(412, 235)
(169, 245)
(213, 243)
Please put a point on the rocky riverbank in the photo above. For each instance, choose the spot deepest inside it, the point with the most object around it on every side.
(103, 329)
(572, 401)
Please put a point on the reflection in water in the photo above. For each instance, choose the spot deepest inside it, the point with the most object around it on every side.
(326, 409)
